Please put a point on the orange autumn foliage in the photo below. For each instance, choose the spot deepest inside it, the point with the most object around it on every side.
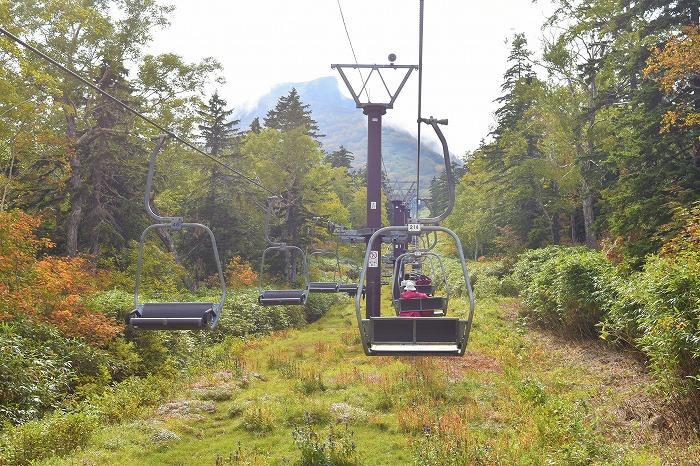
(676, 67)
(51, 289)
(240, 273)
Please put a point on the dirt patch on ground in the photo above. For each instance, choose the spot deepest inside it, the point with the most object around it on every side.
(455, 368)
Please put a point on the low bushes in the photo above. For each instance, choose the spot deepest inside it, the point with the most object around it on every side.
(561, 287)
(57, 435)
(656, 310)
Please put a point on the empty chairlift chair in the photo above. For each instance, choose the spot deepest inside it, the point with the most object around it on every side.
(415, 335)
(286, 296)
(324, 286)
(173, 315)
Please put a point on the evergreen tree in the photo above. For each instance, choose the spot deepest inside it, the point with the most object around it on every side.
(217, 129)
(340, 158)
(255, 126)
(291, 113)
(520, 71)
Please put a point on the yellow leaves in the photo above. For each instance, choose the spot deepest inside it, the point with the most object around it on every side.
(676, 66)
(677, 62)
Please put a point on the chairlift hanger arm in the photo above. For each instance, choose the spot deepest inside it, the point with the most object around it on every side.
(435, 124)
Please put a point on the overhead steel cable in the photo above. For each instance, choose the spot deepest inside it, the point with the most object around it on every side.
(420, 99)
(352, 49)
(130, 109)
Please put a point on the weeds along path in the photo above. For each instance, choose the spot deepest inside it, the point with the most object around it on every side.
(517, 397)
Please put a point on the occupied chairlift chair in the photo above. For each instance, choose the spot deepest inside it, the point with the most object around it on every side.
(430, 306)
(288, 296)
(174, 315)
(418, 335)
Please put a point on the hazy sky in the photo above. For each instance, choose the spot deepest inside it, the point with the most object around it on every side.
(267, 42)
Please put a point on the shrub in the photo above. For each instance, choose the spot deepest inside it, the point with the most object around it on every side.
(56, 435)
(317, 305)
(312, 412)
(565, 290)
(336, 449)
(258, 418)
(658, 310)
(240, 273)
(127, 399)
(33, 377)
(310, 382)
(529, 263)
(52, 289)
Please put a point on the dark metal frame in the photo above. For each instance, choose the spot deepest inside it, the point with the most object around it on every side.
(374, 68)
(173, 224)
(365, 325)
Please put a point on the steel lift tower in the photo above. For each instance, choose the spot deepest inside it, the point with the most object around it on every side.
(374, 112)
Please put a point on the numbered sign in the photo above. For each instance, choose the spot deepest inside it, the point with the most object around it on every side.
(373, 259)
(414, 227)
(373, 205)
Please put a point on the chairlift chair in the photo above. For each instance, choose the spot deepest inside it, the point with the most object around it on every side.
(321, 286)
(173, 315)
(415, 335)
(441, 335)
(285, 296)
(430, 306)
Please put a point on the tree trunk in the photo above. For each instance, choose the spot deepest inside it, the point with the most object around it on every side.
(573, 227)
(588, 215)
(556, 227)
(75, 183)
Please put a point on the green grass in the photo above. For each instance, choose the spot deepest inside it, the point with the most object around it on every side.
(517, 397)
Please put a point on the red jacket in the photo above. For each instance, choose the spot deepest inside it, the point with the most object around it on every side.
(412, 294)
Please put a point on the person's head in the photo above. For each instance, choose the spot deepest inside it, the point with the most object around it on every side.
(410, 285)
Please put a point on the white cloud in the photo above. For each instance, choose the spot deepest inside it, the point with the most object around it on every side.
(267, 42)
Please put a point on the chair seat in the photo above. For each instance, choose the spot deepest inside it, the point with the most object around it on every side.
(323, 287)
(422, 304)
(349, 288)
(415, 335)
(173, 316)
(282, 297)
(411, 349)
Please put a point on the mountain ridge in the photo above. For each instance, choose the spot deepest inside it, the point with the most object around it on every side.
(342, 123)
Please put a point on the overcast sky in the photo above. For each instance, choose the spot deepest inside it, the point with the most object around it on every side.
(267, 42)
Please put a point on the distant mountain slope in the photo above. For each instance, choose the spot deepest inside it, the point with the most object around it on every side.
(344, 124)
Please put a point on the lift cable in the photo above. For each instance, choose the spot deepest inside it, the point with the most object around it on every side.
(352, 49)
(420, 99)
(133, 111)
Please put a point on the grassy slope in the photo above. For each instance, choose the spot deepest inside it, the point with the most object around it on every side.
(518, 396)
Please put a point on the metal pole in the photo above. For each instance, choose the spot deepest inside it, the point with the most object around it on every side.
(374, 205)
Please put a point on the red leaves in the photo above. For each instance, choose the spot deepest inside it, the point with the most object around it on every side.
(51, 289)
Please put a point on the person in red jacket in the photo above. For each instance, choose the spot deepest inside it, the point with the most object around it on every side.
(409, 291)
